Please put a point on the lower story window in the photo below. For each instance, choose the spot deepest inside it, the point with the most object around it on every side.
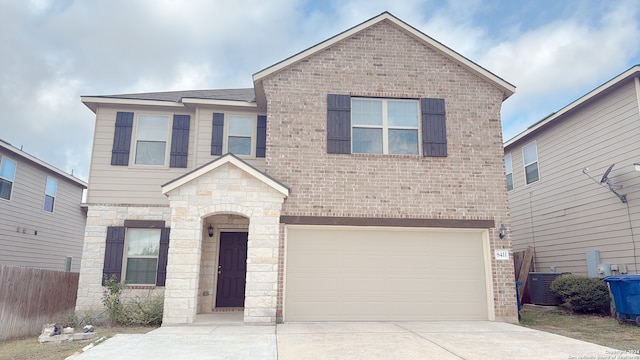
(136, 253)
(143, 247)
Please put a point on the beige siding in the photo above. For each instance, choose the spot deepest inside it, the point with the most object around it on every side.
(59, 234)
(133, 184)
(566, 214)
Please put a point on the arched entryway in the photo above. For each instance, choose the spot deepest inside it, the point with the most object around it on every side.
(223, 264)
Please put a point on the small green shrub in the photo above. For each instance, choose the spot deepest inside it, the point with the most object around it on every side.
(582, 294)
(139, 311)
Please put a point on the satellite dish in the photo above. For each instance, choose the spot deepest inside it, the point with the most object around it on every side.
(606, 174)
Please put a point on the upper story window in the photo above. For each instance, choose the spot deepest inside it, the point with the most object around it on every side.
(509, 170)
(383, 126)
(7, 176)
(151, 139)
(241, 134)
(50, 194)
(386, 126)
(530, 156)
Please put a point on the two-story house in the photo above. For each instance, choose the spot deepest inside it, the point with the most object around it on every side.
(573, 184)
(41, 219)
(360, 179)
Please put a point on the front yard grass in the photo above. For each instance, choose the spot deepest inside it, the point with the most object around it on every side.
(30, 349)
(601, 330)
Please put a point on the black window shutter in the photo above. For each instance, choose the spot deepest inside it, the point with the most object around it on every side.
(162, 257)
(434, 128)
(338, 124)
(261, 140)
(122, 139)
(113, 252)
(217, 134)
(180, 141)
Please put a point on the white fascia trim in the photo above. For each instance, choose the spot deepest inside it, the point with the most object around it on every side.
(106, 100)
(507, 88)
(219, 102)
(37, 161)
(220, 162)
(594, 93)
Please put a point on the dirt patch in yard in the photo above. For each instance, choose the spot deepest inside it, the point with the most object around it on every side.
(30, 348)
(601, 330)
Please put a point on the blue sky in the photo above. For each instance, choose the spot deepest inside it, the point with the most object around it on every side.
(55, 51)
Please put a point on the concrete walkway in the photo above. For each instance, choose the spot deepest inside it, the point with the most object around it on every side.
(351, 341)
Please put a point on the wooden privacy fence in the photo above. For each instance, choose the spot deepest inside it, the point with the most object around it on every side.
(30, 298)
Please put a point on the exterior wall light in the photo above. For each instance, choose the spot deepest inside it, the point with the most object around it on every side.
(636, 166)
(503, 231)
(210, 231)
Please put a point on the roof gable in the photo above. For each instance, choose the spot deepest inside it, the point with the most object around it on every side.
(219, 162)
(634, 71)
(26, 156)
(507, 88)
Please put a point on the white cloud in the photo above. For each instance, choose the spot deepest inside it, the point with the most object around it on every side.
(556, 63)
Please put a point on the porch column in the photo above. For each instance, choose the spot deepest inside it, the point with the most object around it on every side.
(261, 292)
(183, 265)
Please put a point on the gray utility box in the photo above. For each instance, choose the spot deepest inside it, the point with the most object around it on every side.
(539, 284)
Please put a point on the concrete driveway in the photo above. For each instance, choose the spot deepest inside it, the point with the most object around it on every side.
(370, 341)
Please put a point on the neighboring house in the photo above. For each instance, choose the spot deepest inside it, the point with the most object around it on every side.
(366, 183)
(41, 220)
(559, 203)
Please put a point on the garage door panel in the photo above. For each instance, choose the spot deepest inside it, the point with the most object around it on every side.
(341, 274)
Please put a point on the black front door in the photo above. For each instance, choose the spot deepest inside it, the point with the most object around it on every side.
(232, 269)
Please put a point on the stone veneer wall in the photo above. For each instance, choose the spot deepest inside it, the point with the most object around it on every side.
(225, 190)
(99, 217)
(384, 61)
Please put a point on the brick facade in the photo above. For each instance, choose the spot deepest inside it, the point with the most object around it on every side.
(384, 61)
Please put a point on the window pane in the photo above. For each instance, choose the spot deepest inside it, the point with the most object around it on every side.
(152, 127)
(402, 113)
(7, 169)
(141, 271)
(143, 242)
(507, 164)
(240, 125)
(48, 203)
(366, 112)
(51, 187)
(5, 189)
(368, 141)
(531, 173)
(530, 153)
(150, 152)
(403, 142)
(509, 182)
(239, 145)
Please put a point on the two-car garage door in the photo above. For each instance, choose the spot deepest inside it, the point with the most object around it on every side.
(384, 274)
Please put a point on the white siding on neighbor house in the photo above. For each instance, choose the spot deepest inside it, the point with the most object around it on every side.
(59, 234)
(566, 214)
(134, 184)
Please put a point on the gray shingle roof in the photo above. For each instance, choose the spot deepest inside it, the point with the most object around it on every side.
(246, 94)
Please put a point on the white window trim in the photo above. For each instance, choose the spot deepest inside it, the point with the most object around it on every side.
(524, 168)
(385, 126)
(134, 139)
(44, 199)
(125, 258)
(513, 185)
(254, 134)
(13, 182)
